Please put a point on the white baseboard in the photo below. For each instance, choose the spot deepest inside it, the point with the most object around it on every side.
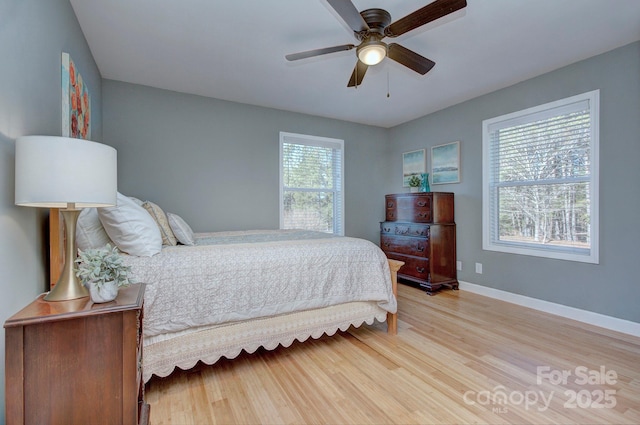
(596, 319)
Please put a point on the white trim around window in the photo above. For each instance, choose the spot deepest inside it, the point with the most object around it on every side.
(540, 180)
(311, 183)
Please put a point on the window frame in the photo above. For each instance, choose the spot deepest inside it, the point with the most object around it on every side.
(338, 189)
(490, 207)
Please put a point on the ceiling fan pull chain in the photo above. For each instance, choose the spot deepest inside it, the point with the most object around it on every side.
(388, 89)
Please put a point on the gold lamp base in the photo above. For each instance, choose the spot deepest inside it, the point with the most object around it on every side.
(68, 287)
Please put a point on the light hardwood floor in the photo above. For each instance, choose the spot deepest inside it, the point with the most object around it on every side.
(458, 358)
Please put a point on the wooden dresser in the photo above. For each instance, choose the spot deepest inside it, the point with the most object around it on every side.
(75, 362)
(420, 230)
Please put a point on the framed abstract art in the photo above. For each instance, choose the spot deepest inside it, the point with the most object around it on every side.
(76, 102)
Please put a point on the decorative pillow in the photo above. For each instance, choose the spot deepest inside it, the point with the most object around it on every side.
(181, 229)
(168, 238)
(131, 228)
(89, 231)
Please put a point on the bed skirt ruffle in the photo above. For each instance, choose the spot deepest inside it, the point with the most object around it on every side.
(163, 353)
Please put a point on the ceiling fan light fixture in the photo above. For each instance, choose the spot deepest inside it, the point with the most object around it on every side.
(372, 52)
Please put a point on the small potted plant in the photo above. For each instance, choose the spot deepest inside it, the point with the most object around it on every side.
(103, 272)
(414, 183)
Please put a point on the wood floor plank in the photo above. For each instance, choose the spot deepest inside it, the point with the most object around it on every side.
(458, 357)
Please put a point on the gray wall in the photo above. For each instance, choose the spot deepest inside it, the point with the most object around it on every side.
(216, 163)
(33, 35)
(611, 287)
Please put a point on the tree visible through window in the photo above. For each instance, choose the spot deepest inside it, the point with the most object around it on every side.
(540, 180)
(311, 189)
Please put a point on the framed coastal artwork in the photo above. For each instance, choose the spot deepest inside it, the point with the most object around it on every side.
(76, 102)
(413, 163)
(445, 163)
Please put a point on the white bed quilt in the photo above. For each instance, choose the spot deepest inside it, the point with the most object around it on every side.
(236, 276)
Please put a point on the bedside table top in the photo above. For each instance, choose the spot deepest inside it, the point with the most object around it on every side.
(129, 298)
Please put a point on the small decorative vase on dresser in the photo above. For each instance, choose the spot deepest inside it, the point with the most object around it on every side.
(419, 229)
(76, 362)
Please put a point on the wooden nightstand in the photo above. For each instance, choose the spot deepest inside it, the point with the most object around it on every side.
(75, 362)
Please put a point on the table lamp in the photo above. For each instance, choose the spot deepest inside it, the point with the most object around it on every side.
(66, 173)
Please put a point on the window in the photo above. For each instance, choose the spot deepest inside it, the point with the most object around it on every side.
(311, 183)
(540, 180)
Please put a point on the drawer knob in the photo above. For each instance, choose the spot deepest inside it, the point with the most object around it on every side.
(422, 204)
(420, 248)
(420, 269)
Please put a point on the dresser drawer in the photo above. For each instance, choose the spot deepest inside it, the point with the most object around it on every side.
(405, 229)
(410, 208)
(418, 247)
(414, 267)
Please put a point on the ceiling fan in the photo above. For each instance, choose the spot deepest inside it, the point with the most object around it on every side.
(372, 25)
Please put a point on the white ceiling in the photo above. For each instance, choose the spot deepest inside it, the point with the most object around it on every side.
(234, 50)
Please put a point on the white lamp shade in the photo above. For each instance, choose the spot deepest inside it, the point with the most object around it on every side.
(53, 172)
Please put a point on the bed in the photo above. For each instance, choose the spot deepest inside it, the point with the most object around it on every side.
(226, 292)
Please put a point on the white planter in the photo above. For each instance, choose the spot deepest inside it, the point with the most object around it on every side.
(108, 291)
(415, 189)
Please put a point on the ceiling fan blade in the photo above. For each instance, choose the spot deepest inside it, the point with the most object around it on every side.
(349, 14)
(318, 52)
(409, 58)
(358, 74)
(420, 17)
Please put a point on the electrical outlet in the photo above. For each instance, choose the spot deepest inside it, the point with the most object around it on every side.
(479, 268)
(458, 265)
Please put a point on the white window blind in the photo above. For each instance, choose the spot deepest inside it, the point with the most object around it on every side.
(540, 180)
(311, 183)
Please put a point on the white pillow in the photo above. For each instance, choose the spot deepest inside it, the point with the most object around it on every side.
(89, 231)
(181, 229)
(136, 200)
(131, 228)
